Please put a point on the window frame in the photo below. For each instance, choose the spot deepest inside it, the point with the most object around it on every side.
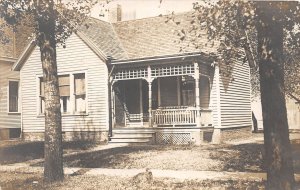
(18, 97)
(72, 111)
(73, 92)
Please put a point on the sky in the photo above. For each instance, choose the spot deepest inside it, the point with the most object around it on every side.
(149, 8)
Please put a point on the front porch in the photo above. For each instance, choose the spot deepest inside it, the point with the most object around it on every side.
(170, 100)
(176, 95)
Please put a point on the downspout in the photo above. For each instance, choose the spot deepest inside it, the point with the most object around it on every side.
(109, 85)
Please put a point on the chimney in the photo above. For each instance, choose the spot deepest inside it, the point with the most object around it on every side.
(119, 13)
(115, 14)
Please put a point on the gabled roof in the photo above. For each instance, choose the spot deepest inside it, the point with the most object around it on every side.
(30, 47)
(156, 36)
(102, 34)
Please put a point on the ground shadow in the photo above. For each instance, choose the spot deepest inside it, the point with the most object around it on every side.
(22, 151)
(109, 158)
(245, 157)
(250, 157)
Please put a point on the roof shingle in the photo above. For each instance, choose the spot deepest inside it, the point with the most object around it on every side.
(102, 34)
(156, 36)
(148, 37)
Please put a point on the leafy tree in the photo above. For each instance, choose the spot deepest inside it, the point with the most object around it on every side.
(53, 22)
(234, 28)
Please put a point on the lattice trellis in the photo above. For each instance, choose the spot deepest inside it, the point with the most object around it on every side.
(173, 70)
(173, 138)
(131, 73)
(156, 71)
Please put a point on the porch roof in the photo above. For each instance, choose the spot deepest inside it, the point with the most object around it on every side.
(166, 59)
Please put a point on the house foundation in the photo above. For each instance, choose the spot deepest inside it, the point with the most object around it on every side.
(95, 136)
(4, 134)
(226, 134)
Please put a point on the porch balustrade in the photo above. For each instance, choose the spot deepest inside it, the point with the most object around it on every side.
(174, 116)
(179, 116)
(134, 119)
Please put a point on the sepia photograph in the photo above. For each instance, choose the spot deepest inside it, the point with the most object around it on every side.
(149, 94)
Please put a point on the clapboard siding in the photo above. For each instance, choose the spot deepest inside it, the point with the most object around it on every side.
(214, 104)
(204, 88)
(76, 58)
(235, 100)
(7, 120)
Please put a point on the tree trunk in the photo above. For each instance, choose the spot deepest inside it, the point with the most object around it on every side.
(53, 166)
(278, 160)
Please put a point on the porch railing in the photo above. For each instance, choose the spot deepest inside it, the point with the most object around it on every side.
(180, 116)
(134, 119)
(174, 116)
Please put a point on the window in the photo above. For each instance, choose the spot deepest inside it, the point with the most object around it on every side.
(80, 93)
(13, 96)
(42, 96)
(70, 102)
(64, 92)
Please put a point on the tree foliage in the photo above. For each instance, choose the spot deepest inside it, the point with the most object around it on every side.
(258, 32)
(52, 22)
(68, 15)
(230, 25)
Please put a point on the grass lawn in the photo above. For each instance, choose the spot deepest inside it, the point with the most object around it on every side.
(226, 157)
(13, 181)
(21, 151)
(236, 156)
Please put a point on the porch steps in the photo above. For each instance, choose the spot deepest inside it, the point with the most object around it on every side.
(132, 137)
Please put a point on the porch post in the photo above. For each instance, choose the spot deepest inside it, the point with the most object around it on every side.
(178, 91)
(150, 96)
(111, 114)
(141, 101)
(112, 92)
(158, 92)
(197, 94)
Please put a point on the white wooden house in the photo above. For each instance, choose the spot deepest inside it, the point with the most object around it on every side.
(129, 82)
(10, 108)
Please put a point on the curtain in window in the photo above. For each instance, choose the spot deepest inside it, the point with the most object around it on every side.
(64, 85)
(80, 102)
(79, 84)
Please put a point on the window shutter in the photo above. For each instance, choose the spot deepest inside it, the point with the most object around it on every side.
(79, 84)
(64, 85)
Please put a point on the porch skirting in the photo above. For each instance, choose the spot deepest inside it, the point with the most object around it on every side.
(95, 136)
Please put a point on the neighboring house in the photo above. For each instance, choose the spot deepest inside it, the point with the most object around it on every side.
(293, 113)
(129, 82)
(10, 108)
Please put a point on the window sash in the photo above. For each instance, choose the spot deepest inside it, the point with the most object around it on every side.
(70, 103)
(64, 85)
(79, 84)
(13, 96)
